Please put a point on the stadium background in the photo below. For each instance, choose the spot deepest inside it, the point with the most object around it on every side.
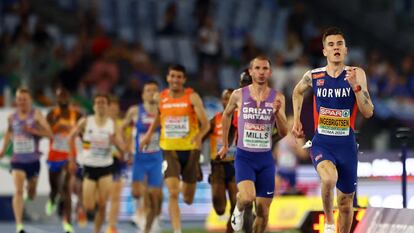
(112, 46)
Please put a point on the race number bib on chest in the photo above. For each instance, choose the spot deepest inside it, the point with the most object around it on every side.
(334, 122)
(23, 144)
(100, 145)
(60, 143)
(176, 127)
(257, 136)
(153, 145)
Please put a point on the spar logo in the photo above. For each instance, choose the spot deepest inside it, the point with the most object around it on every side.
(334, 112)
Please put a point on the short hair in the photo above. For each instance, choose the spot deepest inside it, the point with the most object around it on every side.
(332, 31)
(262, 58)
(227, 90)
(100, 95)
(113, 99)
(23, 90)
(151, 82)
(177, 67)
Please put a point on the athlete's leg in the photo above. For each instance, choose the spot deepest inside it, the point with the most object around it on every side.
(32, 187)
(218, 187)
(190, 173)
(346, 212)
(173, 185)
(232, 192)
(329, 176)
(262, 214)
(19, 176)
(89, 189)
(154, 207)
(65, 195)
(54, 180)
(246, 194)
(115, 200)
(103, 191)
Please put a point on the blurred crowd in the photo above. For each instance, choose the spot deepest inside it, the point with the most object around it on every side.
(94, 60)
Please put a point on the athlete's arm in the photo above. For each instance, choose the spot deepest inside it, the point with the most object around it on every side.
(297, 98)
(119, 142)
(147, 137)
(212, 126)
(358, 81)
(7, 137)
(51, 119)
(226, 121)
(202, 118)
(129, 119)
(80, 127)
(280, 115)
(44, 128)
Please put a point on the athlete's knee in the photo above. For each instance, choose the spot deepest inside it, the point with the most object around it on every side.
(136, 192)
(19, 192)
(246, 198)
(31, 194)
(329, 181)
(89, 205)
(345, 204)
(219, 205)
(188, 198)
(173, 193)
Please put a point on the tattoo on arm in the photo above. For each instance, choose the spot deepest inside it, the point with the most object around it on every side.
(307, 80)
(366, 94)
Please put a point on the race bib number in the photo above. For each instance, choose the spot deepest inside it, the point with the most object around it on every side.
(60, 143)
(23, 145)
(100, 145)
(334, 122)
(153, 145)
(176, 127)
(257, 136)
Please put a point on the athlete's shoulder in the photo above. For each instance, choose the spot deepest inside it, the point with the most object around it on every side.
(318, 72)
(189, 90)
(164, 93)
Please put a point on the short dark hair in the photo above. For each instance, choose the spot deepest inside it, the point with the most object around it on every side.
(151, 82)
(332, 31)
(99, 95)
(262, 58)
(177, 67)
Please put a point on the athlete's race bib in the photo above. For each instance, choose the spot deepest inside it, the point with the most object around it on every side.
(60, 143)
(334, 122)
(176, 127)
(257, 136)
(100, 145)
(23, 144)
(153, 145)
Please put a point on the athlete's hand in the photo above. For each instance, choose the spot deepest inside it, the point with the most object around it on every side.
(223, 152)
(29, 130)
(197, 140)
(277, 104)
(297, 130)
(72, 167)
(350, 76)
(145, 140)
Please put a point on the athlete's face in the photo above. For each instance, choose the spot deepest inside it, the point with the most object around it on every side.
(176, 80)
(62, 98)
(23, 101)
(225, 98)
(100, 105)
(260, 71)
(149, 93)
(334, 48)
(114, 110)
